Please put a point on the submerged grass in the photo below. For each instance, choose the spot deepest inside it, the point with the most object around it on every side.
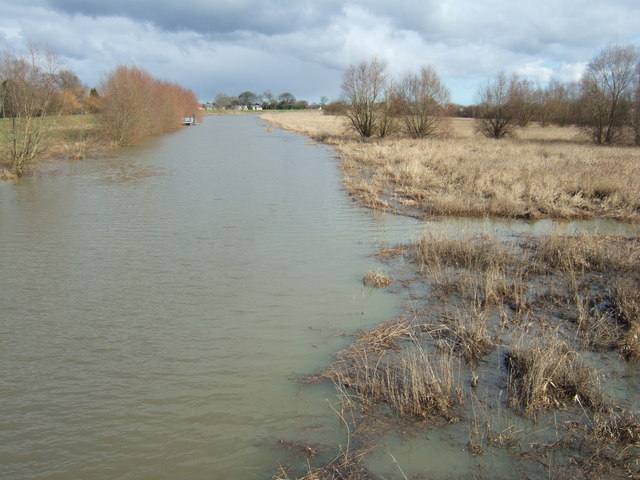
(376, 279)
(544, 372)
(413, 384)
(528, 316)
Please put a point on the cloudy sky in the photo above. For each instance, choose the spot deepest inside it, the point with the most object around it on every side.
(304, 46)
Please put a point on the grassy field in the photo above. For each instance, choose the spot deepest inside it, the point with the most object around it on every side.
(66, 137)
(547, 172)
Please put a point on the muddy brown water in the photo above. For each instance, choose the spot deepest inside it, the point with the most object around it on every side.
(156, 307)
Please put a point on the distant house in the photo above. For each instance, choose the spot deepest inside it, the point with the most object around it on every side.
(256, 106)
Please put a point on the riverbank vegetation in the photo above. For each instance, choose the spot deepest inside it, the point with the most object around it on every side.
(46, 112)
(541, 172)
(511, 347)
(519, 348)
(527, 153)
(134, 105)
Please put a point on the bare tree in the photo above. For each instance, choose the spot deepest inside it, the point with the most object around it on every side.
(634, 110)
(497, 106)
(363, 89)
(422, 98)
(523, 97)
(559, 102)
(606, 86)
(135, 105)
(29, 98)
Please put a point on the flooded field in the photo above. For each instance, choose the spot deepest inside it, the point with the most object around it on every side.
(160, 307)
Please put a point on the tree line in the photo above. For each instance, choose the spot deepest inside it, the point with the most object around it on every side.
(129, 104)
(604, 103)
(266, 101)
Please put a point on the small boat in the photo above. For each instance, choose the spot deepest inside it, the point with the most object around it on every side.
(190, 120)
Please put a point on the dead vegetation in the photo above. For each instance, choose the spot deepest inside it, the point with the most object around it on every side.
(376, 279)
(545, 372)
(533, 317)
(540, 172)
(537, 318)
(413, 384)
(345, 466)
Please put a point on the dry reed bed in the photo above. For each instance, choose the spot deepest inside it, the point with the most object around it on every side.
(542, 173)
(526, 316)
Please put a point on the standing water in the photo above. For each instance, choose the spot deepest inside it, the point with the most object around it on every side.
(157, 307)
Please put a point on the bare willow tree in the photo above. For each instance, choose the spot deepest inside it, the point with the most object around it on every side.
(422, 98)
(28, 99)
(498, 106)
(363, 88)
(134, 105)
(606, 88)
(559, 102)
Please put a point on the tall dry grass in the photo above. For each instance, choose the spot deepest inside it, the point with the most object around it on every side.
(545, 372)
(540, 173)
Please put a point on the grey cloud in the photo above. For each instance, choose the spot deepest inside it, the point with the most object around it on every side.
(261, 16)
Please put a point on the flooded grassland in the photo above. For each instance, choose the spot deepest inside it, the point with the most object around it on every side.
(516, 353)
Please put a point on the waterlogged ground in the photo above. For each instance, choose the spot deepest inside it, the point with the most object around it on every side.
(160, 308)
(516, 353)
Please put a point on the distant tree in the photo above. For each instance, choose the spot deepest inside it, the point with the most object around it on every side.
(523, 98)
(335, 108)
(497, 106)
(634, 109)
(559, 102)
(286, 100)
(69, 81)
(28, 96)
(91, 101)
(605, 91)
(323, 101)
(363, 90)
(268, 100)
(223, 101)
(421, 101)
(248, 98)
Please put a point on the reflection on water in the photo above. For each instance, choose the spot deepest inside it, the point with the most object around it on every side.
(156, 307)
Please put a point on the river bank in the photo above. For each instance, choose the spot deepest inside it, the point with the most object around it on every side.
(69, 137)
(522, 351)
(540, 173)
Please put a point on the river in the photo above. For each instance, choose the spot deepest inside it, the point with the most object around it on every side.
(158, 305)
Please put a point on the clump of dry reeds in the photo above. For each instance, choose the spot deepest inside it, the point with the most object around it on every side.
(414, 384)
(544, 372)
(469, 335)
(479, 253)
(376, 279)
(386, 336)
(595, 326)
(617, 427)
(612, 444)
(345, 466)
(77, 142)
(626, 298)
(592, 253)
